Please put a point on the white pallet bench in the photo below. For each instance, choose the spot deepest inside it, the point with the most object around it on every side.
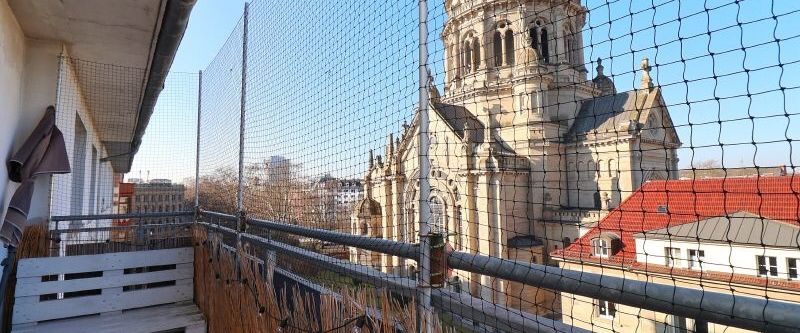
(165, 304)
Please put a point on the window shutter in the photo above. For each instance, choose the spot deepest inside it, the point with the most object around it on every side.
(616, 245)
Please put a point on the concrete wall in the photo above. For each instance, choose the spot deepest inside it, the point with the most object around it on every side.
(12, 62)
(39, 92)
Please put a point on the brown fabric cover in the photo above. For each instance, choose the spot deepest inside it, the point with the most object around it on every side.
(44, 152)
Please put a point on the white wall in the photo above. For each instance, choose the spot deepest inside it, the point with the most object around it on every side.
(39, 92)
(12, 59)
(73, 103)
(719, 257)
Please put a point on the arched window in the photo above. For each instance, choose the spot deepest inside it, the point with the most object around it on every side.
(545, 48)
(437, 221)
(597, 203)
(459, 240)
(467, 57)
(509, 40)
(497, 46)
(591, 170)
(503, 45)
(600, 169)
(580, 171)
(539, 39)
(569, 44)
(476, 54)
(611, 167)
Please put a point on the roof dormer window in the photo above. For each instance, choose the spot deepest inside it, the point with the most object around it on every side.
(606, 245)
(600, 248)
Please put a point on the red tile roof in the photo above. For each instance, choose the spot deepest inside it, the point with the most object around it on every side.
(688, 201)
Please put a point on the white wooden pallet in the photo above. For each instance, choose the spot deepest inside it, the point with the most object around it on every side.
(146, 320)
(114, 309)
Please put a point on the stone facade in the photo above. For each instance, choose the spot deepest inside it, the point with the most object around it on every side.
(524, 148)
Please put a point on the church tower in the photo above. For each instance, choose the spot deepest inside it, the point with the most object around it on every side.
(516, 61)
(518, 66)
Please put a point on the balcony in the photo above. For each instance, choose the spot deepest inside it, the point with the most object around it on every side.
(312, 179)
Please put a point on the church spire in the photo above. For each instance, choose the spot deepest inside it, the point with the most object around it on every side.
(371, 159)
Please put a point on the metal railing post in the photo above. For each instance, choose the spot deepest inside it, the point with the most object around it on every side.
(197, 148)
(425, 308)
(240, 224)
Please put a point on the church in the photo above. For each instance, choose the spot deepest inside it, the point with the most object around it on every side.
(526, 152)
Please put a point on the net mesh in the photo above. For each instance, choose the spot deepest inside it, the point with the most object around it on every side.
(654, 141)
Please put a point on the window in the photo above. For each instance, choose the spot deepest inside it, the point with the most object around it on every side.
(498, 48)
(569, 45)
(671, 255)
(606, 309)
(467, 57)
(600, 247)
(538, 37)
(696, 258)
(767, 266)
(476, 54)
(437, 216)
(791, 263)
(612, 165)
(545, 48)
(675, 324)
(509, 40)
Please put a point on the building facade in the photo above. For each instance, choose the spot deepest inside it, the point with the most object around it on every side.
(727, 235)
(158, 196)
(525, 149)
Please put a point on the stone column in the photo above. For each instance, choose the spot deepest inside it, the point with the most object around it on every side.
(387, 223)
(397, 220)
(485, 217)
(472, 226)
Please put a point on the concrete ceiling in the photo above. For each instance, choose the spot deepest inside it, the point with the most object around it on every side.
(119, 32)
(111, 44)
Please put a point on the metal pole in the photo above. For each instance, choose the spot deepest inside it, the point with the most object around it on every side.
(425, 308)
(750, 313)
(242, 105)
(403, 250)
(197, 148)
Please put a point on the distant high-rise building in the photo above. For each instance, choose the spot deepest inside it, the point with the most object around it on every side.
(278, 168)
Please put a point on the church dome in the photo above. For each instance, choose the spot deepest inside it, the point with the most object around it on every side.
(602, 82)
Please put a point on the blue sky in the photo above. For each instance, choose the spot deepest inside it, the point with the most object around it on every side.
(327, 81)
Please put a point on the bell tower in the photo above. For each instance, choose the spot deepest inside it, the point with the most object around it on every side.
(515, 59)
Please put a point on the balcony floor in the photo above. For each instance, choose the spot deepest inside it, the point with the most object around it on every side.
(160, 318)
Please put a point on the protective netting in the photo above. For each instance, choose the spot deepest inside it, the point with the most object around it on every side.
(577, 151)
(97, 106)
